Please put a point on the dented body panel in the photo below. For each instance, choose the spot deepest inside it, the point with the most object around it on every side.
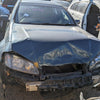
(71, 44)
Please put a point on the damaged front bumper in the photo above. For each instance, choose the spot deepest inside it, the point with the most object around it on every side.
(60, 82)
(51, 82)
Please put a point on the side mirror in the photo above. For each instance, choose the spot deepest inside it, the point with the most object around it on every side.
(77, 21)
(4, 17)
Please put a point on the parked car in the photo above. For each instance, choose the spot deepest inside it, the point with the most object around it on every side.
(63, 3)
(88, 12)
(43, 48)
(3, 11)
(9, 4)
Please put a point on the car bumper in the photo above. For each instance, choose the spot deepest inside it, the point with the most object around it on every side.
(54, 82)
(60, 83)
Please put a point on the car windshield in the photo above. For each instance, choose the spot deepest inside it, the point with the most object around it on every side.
(29, 13)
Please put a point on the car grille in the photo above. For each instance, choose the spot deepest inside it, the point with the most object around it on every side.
(68, 68)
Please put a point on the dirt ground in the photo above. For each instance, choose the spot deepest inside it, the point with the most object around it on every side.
(16, 92)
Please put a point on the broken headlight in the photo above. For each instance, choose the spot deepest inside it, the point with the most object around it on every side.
(20, 64)
(95, 64)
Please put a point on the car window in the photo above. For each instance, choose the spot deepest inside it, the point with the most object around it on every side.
(40, 14)
(80, 6)
(74, 6)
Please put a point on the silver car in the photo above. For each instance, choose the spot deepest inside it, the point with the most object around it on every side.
(43, 48)
(88, 12)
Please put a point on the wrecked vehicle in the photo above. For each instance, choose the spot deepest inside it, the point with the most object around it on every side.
(88, 12)
(43, 48)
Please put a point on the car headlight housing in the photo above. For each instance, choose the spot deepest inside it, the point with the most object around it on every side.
(95, 64)
(18, 63)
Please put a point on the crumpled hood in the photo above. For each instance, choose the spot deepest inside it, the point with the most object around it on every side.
(54, 45)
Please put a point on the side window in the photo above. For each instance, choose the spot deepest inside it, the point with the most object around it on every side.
(82, 7)
(79, 6)
(74, 6)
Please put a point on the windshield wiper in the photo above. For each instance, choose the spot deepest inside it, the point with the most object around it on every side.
(38, 23)
(46, 24)
(49, 24)
(54, 24)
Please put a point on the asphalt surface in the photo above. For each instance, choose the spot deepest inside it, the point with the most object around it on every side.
(16, 92)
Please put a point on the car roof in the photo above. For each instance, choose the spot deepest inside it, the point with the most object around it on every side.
(97, 2)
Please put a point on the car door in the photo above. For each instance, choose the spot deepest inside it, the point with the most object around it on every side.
(84, 24)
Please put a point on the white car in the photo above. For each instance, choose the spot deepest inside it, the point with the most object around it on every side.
(63, 3)
(43, 48)
(88, 12)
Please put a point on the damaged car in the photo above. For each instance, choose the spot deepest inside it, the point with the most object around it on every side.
(88, 12)
(44, 50)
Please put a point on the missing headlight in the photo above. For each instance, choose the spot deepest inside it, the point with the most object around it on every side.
(68, 68)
